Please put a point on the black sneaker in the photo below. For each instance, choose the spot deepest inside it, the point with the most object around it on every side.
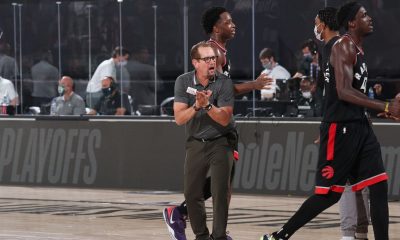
(270, 237)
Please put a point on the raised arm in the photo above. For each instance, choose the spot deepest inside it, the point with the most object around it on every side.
(261, 82)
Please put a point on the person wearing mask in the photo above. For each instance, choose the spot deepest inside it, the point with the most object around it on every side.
(353, 206)
(305, 96)
(273, 70)
(349, 149)
(108, 67)
(309, 56)
(110, 102)
(68, 103)
(8, 95)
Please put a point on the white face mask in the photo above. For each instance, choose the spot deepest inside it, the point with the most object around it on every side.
(122, 63)
(306, 94)
(318, 35)
(267, 65)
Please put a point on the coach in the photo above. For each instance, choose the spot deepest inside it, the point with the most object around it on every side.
(204, 103)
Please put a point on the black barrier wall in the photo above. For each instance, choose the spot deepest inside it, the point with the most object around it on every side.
(276, 157)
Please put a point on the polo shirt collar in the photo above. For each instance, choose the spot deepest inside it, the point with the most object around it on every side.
(196, 81)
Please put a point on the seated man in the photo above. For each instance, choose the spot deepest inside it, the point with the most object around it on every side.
(68, 103)
(8, 95)
(273, 70)
(110, 102)
(306, 100)
(308, 59)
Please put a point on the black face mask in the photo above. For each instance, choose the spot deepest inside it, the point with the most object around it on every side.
(107, 91)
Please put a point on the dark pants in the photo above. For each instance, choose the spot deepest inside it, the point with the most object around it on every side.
(216, 156)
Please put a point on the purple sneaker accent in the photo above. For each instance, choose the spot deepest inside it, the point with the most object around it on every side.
(176, 223)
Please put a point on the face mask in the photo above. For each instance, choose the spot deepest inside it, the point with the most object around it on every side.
(122, 63)
(318, 35)
(61, 90)
(306, 94)
(107, 91)
(307, 57)
(267, 66)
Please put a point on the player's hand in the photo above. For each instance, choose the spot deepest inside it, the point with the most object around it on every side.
(262, 82)
(394, 107)
(387, 115)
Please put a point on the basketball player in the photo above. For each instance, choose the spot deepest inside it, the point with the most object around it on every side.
(349, 148)
(353, 206)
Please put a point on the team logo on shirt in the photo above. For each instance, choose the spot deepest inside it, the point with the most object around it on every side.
(327, 74)
(362, 75)
(328, 172)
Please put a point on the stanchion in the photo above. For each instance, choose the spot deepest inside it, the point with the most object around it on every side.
(120, 48)
(155, 53)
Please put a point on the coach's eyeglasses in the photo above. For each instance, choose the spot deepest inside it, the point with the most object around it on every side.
(208, 59)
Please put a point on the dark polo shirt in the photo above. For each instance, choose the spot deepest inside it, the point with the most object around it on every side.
(202, 125)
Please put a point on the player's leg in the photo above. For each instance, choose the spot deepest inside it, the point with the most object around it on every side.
(363, 216)
(348, 213)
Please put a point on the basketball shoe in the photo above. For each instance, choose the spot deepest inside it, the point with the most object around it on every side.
(176, 223)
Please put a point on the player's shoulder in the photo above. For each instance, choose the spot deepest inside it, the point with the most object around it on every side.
(343, 46)
(343, 42)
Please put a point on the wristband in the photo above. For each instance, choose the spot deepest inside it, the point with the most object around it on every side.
(386, 107)
(196, 108)
(208, 107)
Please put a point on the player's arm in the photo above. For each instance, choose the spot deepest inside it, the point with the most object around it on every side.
(342, 59)
(220, 59)
(261, 82)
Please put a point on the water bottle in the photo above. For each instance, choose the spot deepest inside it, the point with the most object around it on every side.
(4, 104)
(371, 94)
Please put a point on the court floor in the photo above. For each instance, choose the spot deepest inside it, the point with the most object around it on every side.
(71, 214)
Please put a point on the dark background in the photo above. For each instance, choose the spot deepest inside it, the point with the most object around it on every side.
(280, 24)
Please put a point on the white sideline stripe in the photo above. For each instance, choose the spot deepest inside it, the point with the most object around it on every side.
(17, 119)
(386, 124)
